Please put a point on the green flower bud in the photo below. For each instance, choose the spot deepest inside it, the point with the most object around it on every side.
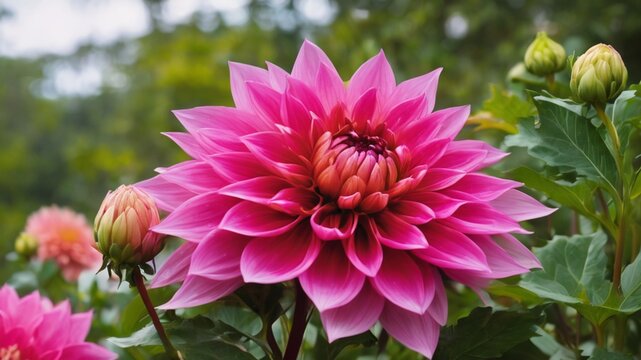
(544, 56)
(122, 228)
(598, 75)
(26, 245)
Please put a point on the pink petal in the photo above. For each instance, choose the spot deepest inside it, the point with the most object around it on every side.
(462, 159)
(251, 219)
(331, 281)
(452, 120)
(374, 73)
(277, 77)
(438, 307)
(198, 290)
(451, 249)
(520, 206)
(500, 261)
(48, 336)
(330, 223)
(424, 85)
(400, 281)
(239, 75)
(308, 62)
(79, 325)
(188, 143)
(216, 141)
(296, 116)
(364, 107)
(404, 112)
(392, 231)
(493, 156)
(237, 166)
(86, 351)
(265, 101)
(479, 218)
(330, 87)
(364, 251)
(443, 206)
(418, 332)
(281, 258)
(356, 317)
(296, 201)
(483, 187)
(259, 189)
(168, 196)
(195, 176)
(307, 95)
(175, 268)
(195, 218)
(428, 153)
(217, 257)
(519, 253)
(441, 178)
(413, 212)
(224, 118)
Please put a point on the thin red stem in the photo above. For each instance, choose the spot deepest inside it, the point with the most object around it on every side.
(140, 284)
(299, 324)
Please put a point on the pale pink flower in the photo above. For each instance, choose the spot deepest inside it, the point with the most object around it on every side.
(64, 236)
(32, 328)
(359, 191)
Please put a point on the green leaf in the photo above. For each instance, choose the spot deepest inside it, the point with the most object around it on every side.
(603, 354)
(549, 346)
(487, 335)
(578, 196)
(135, 311)
(636, 188)
(502, 111)
(567, 140)
(631, 287)
(625, 111)
(574, 273)
(214, 350)
(515, 292)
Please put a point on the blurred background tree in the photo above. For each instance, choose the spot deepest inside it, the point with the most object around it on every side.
(69, 149)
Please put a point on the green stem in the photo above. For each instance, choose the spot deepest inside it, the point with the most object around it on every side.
(551, 83)
(170, 350)
(600, 338)
(619, 333)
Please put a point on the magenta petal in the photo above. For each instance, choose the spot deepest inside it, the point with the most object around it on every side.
(239, 75)
(252, 219)
(196, 176)
(418, 332)
(480, 218)
(79, 325)
(519, 253)
(198, 290)
(400, 281)
(277, 77)
(493, 155)
(271, 148)
(175, 267)
(358, 316)
(438, 179)
(223, 118)
(374, 73)
(500, 261)
(259, 189)
(364, 251)
(452, 120)
(424, 85)
(86, 350)
(188, 143)
(296, 201)
(47, 336)
(237, 166)
(307, 95)
(331, 281)
(330, 223)
(451, 249)
(281, 258)
(364, 107)
(167, 195)
(413, 212)
(438, 307)
(196, 217)
(296, 116)
(405, 111)
(483, 187)
(310, 58)
(442, 205)
(428, 153)
(330, 86)
(217, 257)
(392, 231)
(265, 101)
(462, 160)
(520, 206)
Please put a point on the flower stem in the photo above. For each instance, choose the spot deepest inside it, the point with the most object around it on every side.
(298, 327)
(170, 350)
(550, 82)
(273, 344)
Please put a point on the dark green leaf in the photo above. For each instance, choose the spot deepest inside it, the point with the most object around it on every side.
(625, 111)
(567, 140)
(214, 350)
(603, 354)
(631, 287)
(135, 311)
(487, 335)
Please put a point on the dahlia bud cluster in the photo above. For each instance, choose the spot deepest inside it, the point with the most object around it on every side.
(544, 56)
(598, 75)
(122, 229)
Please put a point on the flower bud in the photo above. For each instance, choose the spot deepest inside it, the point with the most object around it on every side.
(122, 227)
(544, 56)
(598, 75)
(26, 245)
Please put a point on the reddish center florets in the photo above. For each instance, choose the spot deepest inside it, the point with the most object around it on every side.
(10, 353)
(355, 169)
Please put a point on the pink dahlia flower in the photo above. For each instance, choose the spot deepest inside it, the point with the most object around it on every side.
(32, 328)
(360, 192)
(66, 237)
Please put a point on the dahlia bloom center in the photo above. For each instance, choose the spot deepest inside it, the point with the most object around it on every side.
(356, 169)
(10, 353)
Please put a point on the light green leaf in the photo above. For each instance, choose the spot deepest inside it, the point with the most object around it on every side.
(567, 140)
(631, 287)
(625, 111)
(502, 111)
(135, 311)
(603, 354)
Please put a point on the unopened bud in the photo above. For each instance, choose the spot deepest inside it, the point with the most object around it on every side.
(598, 75)
(26, 245)
(544, 56)
(122, 228)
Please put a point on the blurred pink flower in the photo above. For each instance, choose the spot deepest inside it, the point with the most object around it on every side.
(66, 237)
(32, 328)
(360, 191)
